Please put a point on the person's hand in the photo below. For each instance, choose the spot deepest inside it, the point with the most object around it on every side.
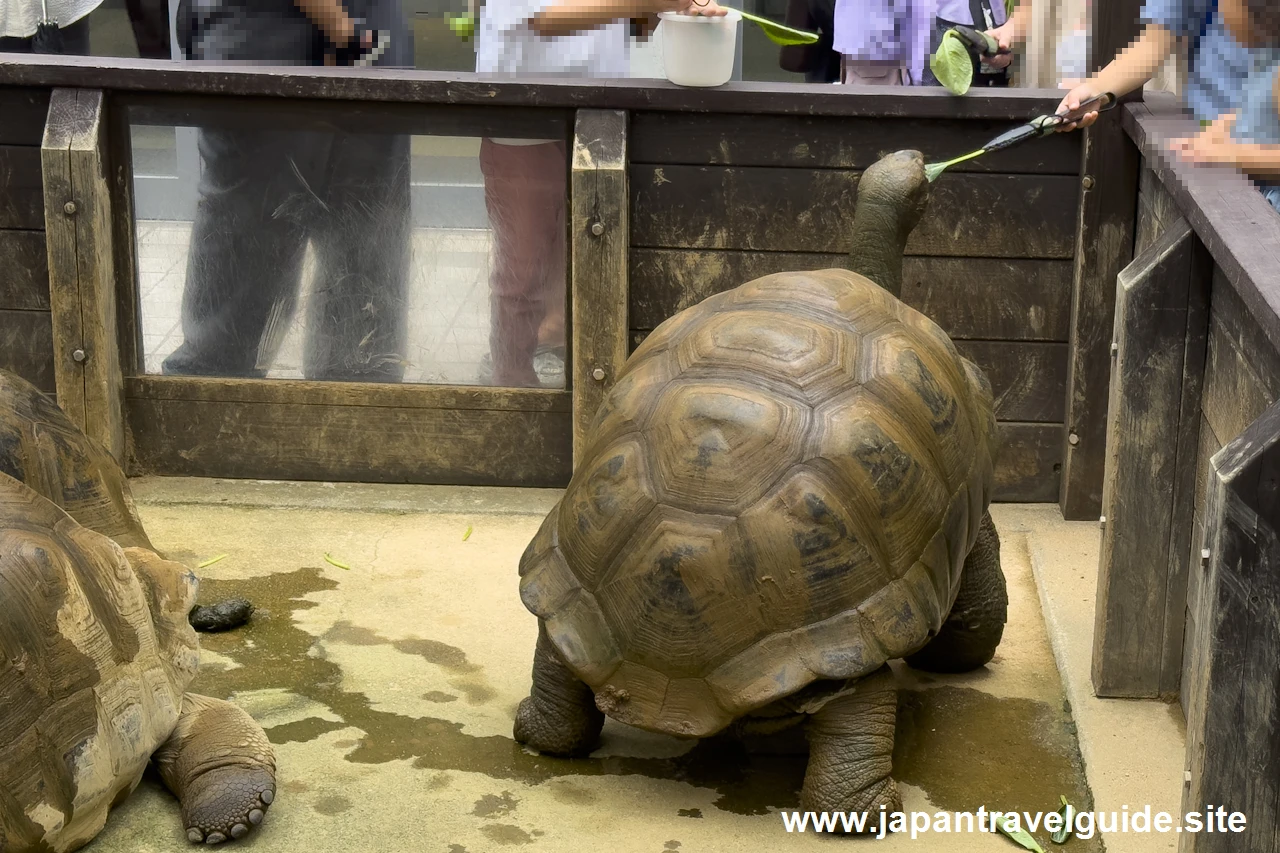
(1072, 102)
(706, 8)
(1212, 146)
(1005, 36)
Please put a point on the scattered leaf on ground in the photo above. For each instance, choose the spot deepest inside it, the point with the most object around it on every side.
(1063, 834)
(467, 535)
(211, 561)
(1018, 835)
(328, 559)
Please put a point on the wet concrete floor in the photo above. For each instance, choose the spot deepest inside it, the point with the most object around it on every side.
(388, 689)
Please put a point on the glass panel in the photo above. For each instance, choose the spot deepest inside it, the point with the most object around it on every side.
(352, 256)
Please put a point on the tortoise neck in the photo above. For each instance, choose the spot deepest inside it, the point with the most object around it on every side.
(879, 240)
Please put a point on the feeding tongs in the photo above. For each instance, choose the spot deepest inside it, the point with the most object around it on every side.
(1037, 127)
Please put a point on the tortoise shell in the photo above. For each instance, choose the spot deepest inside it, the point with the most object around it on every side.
(781, 488)
(95, 654)
(40, 446)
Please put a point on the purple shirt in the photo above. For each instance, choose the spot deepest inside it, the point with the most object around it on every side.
(889, 31)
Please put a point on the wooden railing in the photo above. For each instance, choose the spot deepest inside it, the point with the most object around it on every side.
(692, 191)
(1190, 571)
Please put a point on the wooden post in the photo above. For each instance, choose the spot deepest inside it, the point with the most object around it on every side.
(1152, 435)
(79, 229)
(1233, 716)
(599, 237)
(1108, 200)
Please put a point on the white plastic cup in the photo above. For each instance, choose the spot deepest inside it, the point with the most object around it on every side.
(698, 50)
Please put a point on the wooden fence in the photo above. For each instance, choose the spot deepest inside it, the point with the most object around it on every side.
(693, 192)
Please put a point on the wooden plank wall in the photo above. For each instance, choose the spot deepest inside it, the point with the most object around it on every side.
(1241, 381)
(1233, 719)
(26, 328)
(718, 200)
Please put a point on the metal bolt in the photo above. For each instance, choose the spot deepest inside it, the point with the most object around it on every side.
(1186, 776)
(598, 374)
(1088, 182)
(1102, 521)
(78, 355)
(1073, 439)
(1204, 558)
(1115, 350)
(597, 228)
(70, 208)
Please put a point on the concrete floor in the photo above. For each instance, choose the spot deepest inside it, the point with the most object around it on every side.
(388, 690)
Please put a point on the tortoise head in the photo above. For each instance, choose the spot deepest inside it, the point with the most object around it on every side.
(892, 196)
(171, 594)
(898, 187)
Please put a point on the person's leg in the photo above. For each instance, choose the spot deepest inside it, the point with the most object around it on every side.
(245, 254)
(524, 191)
(150, 22)
(555, 280)
(357, 316)
(75, 37)
(256, 203)
(857, 73)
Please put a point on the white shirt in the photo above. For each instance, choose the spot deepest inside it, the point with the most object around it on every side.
(958, 12)
(18, 18)
(506, 44)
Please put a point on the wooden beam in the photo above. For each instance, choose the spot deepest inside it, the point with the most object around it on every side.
(973, 298)
(434, 87)
(1152, 434)
(349, 431)
(825, 142)
(600, 240)
(1233, 718)
(82, 297)
(752, 208)
(1104, 247)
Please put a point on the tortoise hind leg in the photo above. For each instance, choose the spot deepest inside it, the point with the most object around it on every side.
(220, 765)
(973, 629)
(851, 752)
(559, 716)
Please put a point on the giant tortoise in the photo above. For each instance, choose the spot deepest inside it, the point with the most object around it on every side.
(786, 488)
(96, 653)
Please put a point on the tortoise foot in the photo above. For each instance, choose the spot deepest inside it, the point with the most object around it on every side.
(220, 765)
(883, 794)
(559, 716)
(573, 734)
(226, 803)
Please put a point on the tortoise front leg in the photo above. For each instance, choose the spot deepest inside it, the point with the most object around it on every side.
(220, 765)
(974, 626)
(559, 716)
(851, 752)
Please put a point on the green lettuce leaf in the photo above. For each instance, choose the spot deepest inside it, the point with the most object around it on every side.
(952, 65)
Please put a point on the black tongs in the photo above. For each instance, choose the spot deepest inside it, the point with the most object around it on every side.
(1034, 129)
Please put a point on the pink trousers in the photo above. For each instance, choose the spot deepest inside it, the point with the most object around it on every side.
(525, 191)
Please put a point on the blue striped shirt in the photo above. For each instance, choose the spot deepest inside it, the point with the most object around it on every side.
(1220, 64)
(1258, 121)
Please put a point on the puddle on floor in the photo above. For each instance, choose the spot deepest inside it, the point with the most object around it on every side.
(963, 747)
